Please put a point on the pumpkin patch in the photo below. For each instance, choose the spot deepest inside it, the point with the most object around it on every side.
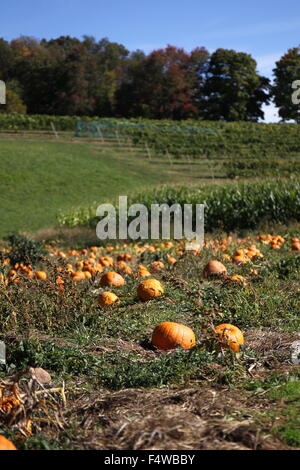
(141, 318)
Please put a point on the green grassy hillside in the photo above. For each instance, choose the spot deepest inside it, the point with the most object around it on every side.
(38, 179)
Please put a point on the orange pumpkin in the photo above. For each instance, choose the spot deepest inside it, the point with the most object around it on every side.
(60, 282)
(238, 279)
(41, 275)
(214, 268)
(123, 266)
(78, 276)
(143, 271)
(112, 279)
(296, 246)
(170, 335)
(106, 261)
(230, 336)
(107, 299)
(5, 444)
(240, 259)
(124, 257)
(157, 266)
(149, 289)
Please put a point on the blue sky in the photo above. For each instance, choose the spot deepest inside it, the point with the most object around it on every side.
(265, 29)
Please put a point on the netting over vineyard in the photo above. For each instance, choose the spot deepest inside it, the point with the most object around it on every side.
(108, 129)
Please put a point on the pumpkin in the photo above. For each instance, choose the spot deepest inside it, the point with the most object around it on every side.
(214, 268)
(107, 299)
(275, 246)
(41, 275)
(123, 266)
(124, 257)
(106, 261)
(167, 245)
(157, 266)
(170, 335)
(5, 444)
(6, 403)
(240, 259)
(149, 289)
(112, 279)
(78, 276)
(230, 336)
(238, 279)
(143, 271)
(296, 246)
(172, 260)
(240, 252)
(60, 282)
(12, 273)
(79, 264)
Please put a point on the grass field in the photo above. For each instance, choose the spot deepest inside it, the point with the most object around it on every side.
(42, 177)
(39, 178)
(109, 387)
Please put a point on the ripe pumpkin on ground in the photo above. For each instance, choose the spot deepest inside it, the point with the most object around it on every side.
(143, 271)
(170, 335)
(237, 278)
(214, 268)
(230, 336)
(5, 444)
(78, 276)
(106, 261)
(123, 266)
(124, 257)
(157, 266)
(240, 259)
(106, 299)
(112, 279)
(296, 246)
(149, 289)
(41, 275)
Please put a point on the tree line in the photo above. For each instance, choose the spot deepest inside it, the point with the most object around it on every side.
(69, 76)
